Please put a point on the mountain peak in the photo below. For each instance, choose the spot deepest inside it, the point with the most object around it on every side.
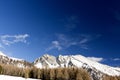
(47, 55)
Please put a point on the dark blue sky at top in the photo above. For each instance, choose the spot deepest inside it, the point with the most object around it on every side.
(45, 20)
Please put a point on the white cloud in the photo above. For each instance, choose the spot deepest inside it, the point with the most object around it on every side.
(55, 45)
(116, 59)
(64, 41)
(11, 39)
(95, 59)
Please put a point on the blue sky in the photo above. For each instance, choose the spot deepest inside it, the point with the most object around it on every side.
(31, 28)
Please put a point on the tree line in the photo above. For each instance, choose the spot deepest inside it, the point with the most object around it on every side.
(46, 74)
(50, 74)
(106, 77)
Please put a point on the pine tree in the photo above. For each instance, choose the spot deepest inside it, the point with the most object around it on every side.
(72, 73)
(59, 74)
(0, 69)
(78, 75)
(46, 74)
(85, 75)
(66, 75)
(26, 73)
(118, 77)
(52, 74)
(39, 74)
(34, 72)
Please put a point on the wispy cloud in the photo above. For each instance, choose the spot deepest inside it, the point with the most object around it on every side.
(83, 41)
(64, 41)
(11, 39)
(95, 59)
(116, 59)
(54, 45)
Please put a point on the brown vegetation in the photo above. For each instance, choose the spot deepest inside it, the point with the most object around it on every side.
(106, 77)
(50, 74)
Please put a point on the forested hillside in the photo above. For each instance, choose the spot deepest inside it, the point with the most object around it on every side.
(50, 74)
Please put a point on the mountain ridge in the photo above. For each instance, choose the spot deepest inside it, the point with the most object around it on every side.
(4, 59)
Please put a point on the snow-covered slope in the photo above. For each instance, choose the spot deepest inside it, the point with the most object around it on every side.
(4, 59)
(6, 77)
(79, 61)
(2, 54)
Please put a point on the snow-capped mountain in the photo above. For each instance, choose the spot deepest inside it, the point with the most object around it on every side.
(94, 68)
(4, 59)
